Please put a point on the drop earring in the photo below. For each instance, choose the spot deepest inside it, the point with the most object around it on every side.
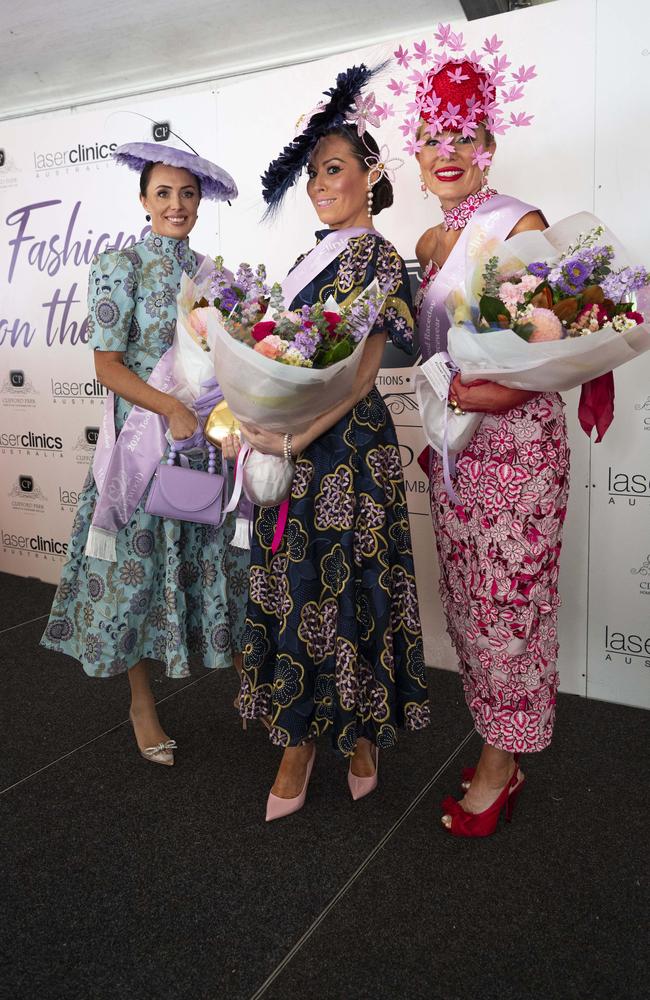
(423, 187)
(485, 178)
(148, 218)
(369, 199)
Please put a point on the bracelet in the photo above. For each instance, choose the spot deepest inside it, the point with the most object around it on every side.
(286, 447)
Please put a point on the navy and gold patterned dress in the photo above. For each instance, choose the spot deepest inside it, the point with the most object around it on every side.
(177, 588)
(332, 641)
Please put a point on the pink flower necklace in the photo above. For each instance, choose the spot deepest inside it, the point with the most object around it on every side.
(458, 217)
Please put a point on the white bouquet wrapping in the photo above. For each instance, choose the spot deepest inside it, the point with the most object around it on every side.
(279, 396)
(551, 352)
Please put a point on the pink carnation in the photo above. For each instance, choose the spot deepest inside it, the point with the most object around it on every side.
(547, 326)
(271, 347)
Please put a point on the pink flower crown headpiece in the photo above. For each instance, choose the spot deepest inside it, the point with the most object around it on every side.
(454, 91)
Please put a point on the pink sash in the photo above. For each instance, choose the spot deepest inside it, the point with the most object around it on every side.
(309, 268)
(318, 259)
(123, 468)
(496, 217)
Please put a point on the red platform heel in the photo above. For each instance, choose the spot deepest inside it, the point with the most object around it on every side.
(483, 824)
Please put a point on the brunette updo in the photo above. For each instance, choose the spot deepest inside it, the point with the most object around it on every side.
(146, 174)
(364, 146)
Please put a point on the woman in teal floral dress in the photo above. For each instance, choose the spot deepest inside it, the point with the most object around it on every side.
(176, 588)
(332, 643)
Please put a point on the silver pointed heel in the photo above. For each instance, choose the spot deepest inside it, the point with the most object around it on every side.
(162, 753)
(363, 786)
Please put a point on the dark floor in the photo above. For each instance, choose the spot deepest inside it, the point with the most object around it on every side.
(126, 880)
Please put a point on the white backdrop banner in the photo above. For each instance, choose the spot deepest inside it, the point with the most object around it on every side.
(61, 198)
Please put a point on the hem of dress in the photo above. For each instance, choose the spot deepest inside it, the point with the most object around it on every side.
(491, 741)
(131, 662)
(257, 712)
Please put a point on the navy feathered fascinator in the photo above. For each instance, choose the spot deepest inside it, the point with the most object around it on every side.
(344, 105)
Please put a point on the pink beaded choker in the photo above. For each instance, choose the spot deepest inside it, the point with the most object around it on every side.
(458, 217)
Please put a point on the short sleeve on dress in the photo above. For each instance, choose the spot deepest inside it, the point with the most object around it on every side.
(396, 317)
(112, 287)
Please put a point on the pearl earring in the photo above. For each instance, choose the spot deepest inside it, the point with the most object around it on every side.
(423, 187)
(369, 199)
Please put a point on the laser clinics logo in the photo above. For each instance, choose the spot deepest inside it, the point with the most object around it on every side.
(67, 498)
(635, 648)
(628, 487)
(33, 546)
(17, 390)
(83, 155)
(642, 574)
(84, 446)
(31, 443)
(27, 496)
(77, 392)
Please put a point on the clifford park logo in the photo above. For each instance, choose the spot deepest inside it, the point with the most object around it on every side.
(643, 409)
(84, 446)
(161, 131)
(31, 442)
(17, 390)
(642, 575)
(9, 170)
(27, 496)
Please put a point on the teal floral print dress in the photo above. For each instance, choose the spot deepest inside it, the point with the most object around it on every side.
(177, 589)
(332, 641)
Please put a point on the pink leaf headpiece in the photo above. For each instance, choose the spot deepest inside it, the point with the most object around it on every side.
(457, 93)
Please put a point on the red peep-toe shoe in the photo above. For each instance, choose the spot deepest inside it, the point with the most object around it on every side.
(483, 824)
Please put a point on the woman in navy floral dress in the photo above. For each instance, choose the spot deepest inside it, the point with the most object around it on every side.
(332, 642)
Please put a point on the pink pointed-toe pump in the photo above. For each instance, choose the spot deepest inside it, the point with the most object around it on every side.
(277, 808)
(363, 786)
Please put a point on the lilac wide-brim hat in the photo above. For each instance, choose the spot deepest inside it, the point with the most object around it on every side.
(216, 183)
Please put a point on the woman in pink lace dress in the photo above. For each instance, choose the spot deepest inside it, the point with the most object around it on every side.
(498, 547)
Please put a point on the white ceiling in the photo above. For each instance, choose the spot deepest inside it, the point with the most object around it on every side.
(65, 52)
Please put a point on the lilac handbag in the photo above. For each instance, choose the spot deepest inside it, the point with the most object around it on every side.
(187, 494)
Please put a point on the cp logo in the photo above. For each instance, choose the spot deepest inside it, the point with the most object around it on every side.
(26, 484)
(91, 434)
(17, 379)
(161, 131)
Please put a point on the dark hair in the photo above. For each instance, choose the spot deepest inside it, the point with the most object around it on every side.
(146, 174)
(364, 146)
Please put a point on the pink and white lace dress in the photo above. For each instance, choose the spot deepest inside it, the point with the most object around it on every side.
(499, 556)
